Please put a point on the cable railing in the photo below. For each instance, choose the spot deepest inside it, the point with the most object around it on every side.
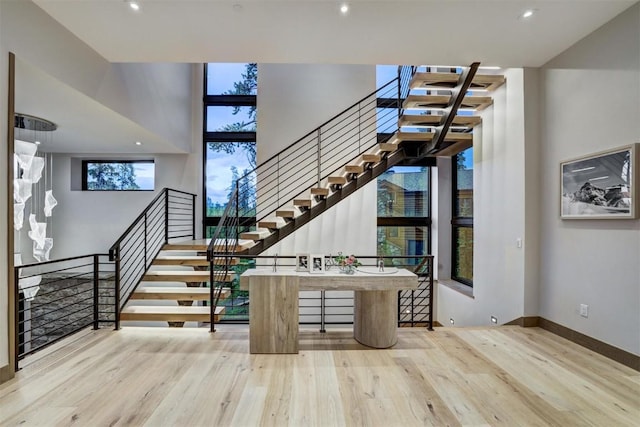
(170, 215)
(321, 308)
(60, 297)
(323, 152)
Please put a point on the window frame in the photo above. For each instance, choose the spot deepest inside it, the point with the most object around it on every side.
(216, 136)
(85, 170)
(457, 222)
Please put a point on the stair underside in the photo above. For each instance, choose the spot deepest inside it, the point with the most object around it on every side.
(175, 293)
(434, 120)
(187, 276)
(442, 101)
(170, 313)
(488, 82)
(194, 261)
(202, 245)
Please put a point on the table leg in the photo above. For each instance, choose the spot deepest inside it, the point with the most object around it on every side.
(375, 318)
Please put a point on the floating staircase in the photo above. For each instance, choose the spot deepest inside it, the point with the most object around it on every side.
(430, 124)
(176, 287)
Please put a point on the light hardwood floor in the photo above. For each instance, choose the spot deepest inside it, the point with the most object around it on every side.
(474, 377)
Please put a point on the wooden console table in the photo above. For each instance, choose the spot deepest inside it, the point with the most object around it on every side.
(273, 310)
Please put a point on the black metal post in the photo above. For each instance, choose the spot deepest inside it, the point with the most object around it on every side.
(193, 216)
(430, 294)
(96, 290)
(166, 216)
(16, 282)
(212, 308)
(117, 290)
(145, 241)
(322, 312)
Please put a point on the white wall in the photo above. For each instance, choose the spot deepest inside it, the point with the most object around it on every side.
(499, 212)
(591, 102)
(4, 270)
(105, 215)
(156, 96)
(292, 101)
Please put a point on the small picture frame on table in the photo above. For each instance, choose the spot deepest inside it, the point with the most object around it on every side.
(316, 264)
(302, 262)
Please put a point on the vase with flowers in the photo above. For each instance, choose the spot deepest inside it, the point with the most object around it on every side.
(347, 264)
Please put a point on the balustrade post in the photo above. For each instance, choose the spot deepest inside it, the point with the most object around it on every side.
(117, 290)
(16, 335)
(193, 216)
(166, 216)
(319, 154)
(96, 290)
(322, 312)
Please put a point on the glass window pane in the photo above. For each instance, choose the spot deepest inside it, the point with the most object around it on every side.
(463, 253)
(387, 120)
(226, 162)
(119, 175)
(231, 119)
(385, 73)
(232, 79)
(464, 181)
(403, 191)
(396, 241)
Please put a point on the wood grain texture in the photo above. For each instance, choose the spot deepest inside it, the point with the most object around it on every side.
(502, 376)
(375, 318)
(176, 293)
(169, 313)
(273, 314)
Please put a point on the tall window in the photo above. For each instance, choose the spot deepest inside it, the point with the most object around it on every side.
(462, 218)
(229, 134)
(403, 211)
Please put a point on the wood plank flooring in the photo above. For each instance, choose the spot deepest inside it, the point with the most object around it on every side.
(503, 376)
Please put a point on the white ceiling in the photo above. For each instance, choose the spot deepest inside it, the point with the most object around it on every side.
(313, 31)
(442, 32)
(84, 125)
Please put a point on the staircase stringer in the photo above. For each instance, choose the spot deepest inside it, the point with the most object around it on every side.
(333, 199)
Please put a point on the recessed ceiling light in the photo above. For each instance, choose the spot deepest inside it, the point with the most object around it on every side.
(528, 13)
(134, 5)
(344, 8)
(138, 143)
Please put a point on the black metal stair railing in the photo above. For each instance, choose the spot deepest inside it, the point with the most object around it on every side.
(170, 215)
(323, 152)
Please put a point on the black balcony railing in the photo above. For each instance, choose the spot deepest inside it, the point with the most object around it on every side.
(60, 297)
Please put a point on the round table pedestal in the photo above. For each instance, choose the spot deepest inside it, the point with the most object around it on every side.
(375, 318)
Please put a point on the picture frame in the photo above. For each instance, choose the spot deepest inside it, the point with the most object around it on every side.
(316, 264)
(602, 185)
(302, 262)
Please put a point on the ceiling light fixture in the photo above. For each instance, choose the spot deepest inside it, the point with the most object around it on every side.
(344, 8)
(134, 5)
(527, 13)
(138, 143)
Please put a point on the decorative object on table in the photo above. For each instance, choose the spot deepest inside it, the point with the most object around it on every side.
(347, 264)
(316, 264)
(601, 185)
(302, 262)
(381, 264)
(329, 262)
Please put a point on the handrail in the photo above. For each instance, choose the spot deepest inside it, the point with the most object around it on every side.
(139, 217)
(319, 127)
(55, 261)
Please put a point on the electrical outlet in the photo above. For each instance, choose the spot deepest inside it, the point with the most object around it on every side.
(584, 310)
(519, 243)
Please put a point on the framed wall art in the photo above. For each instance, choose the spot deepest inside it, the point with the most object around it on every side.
(601, 185)
(302, 262)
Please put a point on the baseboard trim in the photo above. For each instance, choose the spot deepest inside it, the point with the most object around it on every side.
(621, 356)
(6, 373)
(526, 322)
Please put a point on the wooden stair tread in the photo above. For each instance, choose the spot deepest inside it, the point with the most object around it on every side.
(386, 147)
(176, 293)
(354, 168)
(441, 101)
(272, 224)
(286, 213)
(489, 82)
(371, 158)
(190, 260)
(186, 276)
(339, 180)
(169, 313)
(434, 120)
(428, 136)
(302, 202)
(319, 191)
(452, 149)
(203, 244)
(255, 235)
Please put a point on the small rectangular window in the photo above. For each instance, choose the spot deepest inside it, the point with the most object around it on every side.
(118, 175)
